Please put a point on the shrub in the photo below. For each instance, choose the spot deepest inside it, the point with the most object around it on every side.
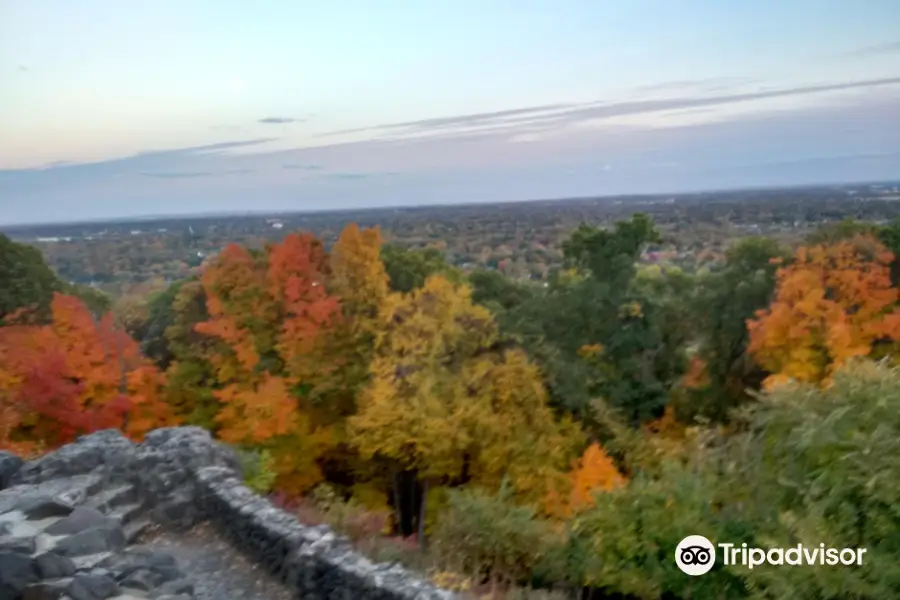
(806, 466)
(348, 517)
(487, 536)
(258, 469)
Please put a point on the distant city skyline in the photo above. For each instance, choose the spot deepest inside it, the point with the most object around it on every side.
(120, 109)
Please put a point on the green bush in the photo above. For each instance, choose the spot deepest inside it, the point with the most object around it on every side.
(806, 466)
(487, 536)
(347, 516)
(257, 466)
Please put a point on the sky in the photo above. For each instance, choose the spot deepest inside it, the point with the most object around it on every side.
(112, 109)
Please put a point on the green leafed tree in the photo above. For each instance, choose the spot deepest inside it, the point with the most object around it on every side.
(408, 268)
(598, 333)
(726, 299)
(26, 282)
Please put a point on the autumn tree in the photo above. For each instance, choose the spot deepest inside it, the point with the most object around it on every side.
(75, 375)
(266, 312)
(592, 473)
(447, 405)
(831, 304)
(359, 281)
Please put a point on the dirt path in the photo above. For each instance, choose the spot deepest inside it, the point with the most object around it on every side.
(218, 570)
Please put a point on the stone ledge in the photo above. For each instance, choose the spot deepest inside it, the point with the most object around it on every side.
(313, 561)
(179, 476)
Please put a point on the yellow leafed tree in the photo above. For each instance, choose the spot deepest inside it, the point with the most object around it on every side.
(446, 402)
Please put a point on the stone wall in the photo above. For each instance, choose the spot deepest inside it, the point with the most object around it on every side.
(104, 492)
(312, 560)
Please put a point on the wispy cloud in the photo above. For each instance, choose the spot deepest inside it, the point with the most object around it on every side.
(556, 114)
(348, 176)
(194, 174)
(296, 167)
(469, 119)
(278, 120)
(358, 175)
(875, 50)
(206, 148)
(186, 175)
(807, 143)
(707, 84)
(23, 68)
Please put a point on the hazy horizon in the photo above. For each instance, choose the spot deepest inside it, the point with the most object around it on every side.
(237, 213)
(116, 111)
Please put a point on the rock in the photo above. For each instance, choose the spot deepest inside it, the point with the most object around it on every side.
(92, 587)
(179, 512)
(141, 578)
(108, 448)
(67, 518)
(51, 565)
(20, 544)
(44, 507)
(91, 541)
(178, 586)
(79, 520)
(16, 572)
(70, 491)
(53, 589)
(9, 466)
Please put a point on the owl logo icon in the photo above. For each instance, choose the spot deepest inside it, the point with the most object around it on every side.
(695, 555)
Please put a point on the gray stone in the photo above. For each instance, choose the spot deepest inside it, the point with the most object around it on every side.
(51, 589)
(92, 587)
(142, 578)
(91, 541)
(80, 519)
(51, 565)
(97, 495)
(20, 544)
(9, 466)
(16, 571)
(178, 586)
(44, 507)
(108, 448)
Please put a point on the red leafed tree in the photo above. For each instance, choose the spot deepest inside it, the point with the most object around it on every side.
(297, 271)
(73, 376)
(267, 311)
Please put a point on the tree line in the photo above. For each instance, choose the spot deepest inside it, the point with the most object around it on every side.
(565, 435)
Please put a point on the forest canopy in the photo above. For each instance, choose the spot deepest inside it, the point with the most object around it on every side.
(560, 435)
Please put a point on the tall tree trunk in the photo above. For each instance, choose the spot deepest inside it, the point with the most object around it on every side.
(398, 511)
(422, 508)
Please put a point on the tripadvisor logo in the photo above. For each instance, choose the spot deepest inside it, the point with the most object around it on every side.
(696, 555)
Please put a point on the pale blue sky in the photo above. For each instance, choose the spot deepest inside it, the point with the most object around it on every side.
(111, 108)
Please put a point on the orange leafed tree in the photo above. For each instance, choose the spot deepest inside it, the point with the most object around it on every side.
(267, 311)
(240, 313)
(831, 304)
(594, 472)
(73, 376)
